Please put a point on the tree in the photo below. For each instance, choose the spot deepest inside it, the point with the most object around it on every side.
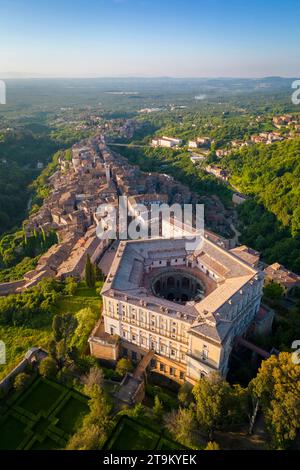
(86, 319)
(21, 381)
(95, 426)
(277, 387)
(63, 327)
(70, 286)
(99, 276)
(57, 323)
(158, 408)
(273, 291)
(185, 394)
(138, 411)
(93, 377)
(123, 366)
(89, 273)
(211, 445)
(47, 368)
(218, 404)
(182, 426)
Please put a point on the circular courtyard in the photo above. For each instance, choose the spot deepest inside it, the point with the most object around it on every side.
(177, 286)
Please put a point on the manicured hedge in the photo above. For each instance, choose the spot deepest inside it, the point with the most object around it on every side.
(42, 417)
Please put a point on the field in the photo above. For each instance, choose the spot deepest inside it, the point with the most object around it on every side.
(19, 339)
(43, 417)
(131, 435)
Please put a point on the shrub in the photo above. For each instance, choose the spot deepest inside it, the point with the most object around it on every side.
(123, 366)
(111, 374)
(211, 445)
(158, 408)
(185, 394)
(47, 368)
(21, 381)
(169, 401)
(70, 286)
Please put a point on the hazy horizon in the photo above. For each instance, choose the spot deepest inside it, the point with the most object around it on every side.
(21, 76)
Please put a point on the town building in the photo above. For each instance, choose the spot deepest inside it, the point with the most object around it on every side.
(238, 198)
(247, 254)
(193, 144)
(166, 142)
(282, 276)
(217, 172)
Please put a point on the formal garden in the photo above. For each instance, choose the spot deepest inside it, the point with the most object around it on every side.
(44, 416)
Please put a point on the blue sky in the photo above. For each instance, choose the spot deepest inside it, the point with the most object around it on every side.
(185, 38)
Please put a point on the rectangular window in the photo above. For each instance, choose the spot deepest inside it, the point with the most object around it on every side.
(125, 352)
(204, 354)
(134, 356)
(172, 371)
(153, 363)
(181, 375)
(162, 367)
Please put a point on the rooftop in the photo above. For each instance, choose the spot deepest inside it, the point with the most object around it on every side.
(129, 281)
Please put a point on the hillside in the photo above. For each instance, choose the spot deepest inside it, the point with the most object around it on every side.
(271, 174)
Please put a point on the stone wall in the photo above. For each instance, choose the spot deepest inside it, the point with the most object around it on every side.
(7, 288)
(31, 358)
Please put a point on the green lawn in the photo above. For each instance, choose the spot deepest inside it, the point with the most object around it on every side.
(84, 297)
(166, 444)
(41, 397)
(46, 444)
(12, 433)
(70, 416)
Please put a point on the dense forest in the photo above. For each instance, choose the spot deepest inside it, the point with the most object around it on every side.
(26, 147)
(20, 152)
(14, 195)
(177, 163)
(270, 220)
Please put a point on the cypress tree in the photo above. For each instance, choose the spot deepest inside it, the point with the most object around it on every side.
(89, 273)
(99, 276)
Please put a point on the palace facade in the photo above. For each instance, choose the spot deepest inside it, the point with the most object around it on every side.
(186, 307)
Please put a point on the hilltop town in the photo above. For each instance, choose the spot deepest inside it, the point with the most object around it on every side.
(94, 176)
